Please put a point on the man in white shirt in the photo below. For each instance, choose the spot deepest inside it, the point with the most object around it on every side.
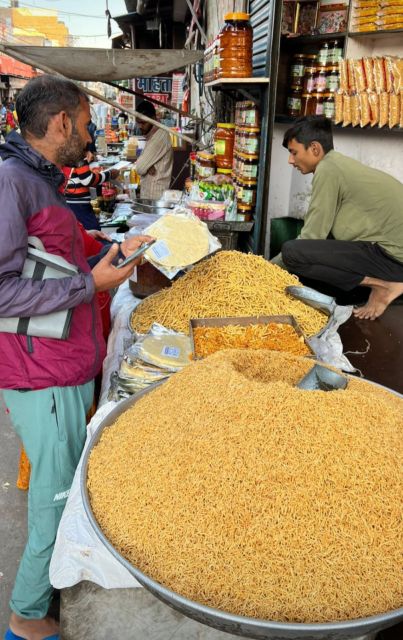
(154, 166)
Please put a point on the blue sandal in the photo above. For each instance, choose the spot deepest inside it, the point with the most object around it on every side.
(11, 636)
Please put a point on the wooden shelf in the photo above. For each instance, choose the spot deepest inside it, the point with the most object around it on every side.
(284, 119)
(321, 37)
(374, 34)
(226, 82)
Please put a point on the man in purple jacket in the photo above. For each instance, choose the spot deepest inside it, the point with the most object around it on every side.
(47, 384)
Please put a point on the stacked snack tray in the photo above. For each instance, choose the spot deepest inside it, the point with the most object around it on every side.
(376, 15)
(370, 93)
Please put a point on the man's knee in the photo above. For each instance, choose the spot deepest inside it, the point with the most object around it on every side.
(290, 252)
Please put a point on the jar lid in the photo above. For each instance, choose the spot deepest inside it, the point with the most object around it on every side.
(310, 69)
(247, 156)
(225, 125)
(311, 56)
(327, 95)
(295, 87)
(309, 95)
(226, 172)
(299, 56)
(250, 182)
(237, 16)
(321, 69)
(248, 129)
(333, 68)
(244, 207)
(205, 156)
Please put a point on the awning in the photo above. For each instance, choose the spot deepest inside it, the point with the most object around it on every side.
(17, 83)
(104, 65)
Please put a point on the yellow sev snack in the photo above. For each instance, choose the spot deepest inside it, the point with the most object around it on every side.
(277, 336)
(229, 284)
(237, 490)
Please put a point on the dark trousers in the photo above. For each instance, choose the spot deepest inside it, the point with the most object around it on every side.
(340, 263)
(85, 214)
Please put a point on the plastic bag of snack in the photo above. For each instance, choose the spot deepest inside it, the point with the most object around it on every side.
(393, 21)
(397, 72)
(369, 73)
(343, 72)
(379, 75)
(374, 106)
(338, 107)
(394, 110)
(355, 109)
(346, 111)
(387, 11)
(365, 111)
(351, 77)
(383, 109)
(359, 75)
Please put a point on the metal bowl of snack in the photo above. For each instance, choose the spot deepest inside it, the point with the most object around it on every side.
(219, 619)
(145, 205)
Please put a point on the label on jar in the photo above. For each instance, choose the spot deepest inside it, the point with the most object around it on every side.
(220, 147)
(297, 70)
(249, 171)
(333, 82)
(335, 55)
(251, 145)
(328, 110)
(205, 172)
(321, 82)
(319, 109)
(247, 195)
(294, 104)
(310, 84)
(251, 117)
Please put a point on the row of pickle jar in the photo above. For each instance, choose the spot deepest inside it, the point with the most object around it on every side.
(313, 79)
(234, 162)
(229, 55)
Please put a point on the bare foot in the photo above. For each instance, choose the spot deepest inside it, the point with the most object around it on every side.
(382, 294)
(34, 629)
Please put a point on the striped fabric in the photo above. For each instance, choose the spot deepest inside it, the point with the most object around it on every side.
(79, 182)
(159, 155)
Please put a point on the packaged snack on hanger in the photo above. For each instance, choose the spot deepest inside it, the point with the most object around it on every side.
(369, 73)
(383, 109)
(374, 105)
(394, 110)
(365, 111)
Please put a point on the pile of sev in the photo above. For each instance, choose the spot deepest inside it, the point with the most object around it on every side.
(235, 489)
(277, 336)
(229, 283)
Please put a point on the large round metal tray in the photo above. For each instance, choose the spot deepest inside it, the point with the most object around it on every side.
(237, 625)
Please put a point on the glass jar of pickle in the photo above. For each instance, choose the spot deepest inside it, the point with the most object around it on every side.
(308, 104)
(247, 192)
(329, 106)
(297, 70)
(320, 103)
(244, 212)
(248, 166)
(309, 80)
(205, 165)
(224, 145)
(332, 78)
(320, 79)
(294, 102)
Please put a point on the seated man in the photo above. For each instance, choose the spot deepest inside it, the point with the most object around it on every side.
(156, 162)
(353, 230)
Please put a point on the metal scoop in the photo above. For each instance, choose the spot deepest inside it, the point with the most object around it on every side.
(312, 297)
(322, 379)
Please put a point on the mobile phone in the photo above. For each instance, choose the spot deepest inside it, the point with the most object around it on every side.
(135, 254)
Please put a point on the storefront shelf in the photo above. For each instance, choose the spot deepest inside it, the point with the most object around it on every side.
(226, 82)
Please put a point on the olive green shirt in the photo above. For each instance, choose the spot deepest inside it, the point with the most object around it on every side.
(351, 201)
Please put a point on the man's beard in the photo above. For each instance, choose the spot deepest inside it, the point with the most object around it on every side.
(72, 152)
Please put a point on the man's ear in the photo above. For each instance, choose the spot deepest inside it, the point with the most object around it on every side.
(317, 148)
(60, 125)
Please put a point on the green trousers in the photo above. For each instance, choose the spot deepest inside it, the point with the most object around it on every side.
(52, 426)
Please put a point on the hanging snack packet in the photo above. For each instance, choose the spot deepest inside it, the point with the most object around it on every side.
(346, 111)
(365, 111)
(383, 109)
(369, 73)
(374, 105)
(338, 107)
(394, 110)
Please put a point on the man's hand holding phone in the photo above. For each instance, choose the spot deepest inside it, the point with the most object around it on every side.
(106, 275)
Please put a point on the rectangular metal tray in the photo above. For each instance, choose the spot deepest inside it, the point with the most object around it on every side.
(244, 322)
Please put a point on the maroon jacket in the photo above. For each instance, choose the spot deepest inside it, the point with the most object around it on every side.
(30, 204)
